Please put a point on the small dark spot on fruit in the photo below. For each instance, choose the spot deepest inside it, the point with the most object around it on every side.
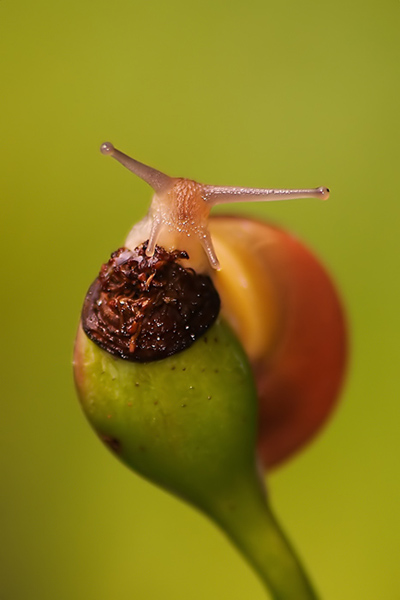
(137, 384)
(155, 402)
(113, 443)
(129, 403)
(183, 368)
(108, 416)
(202, 370)
(208, 397)
(142, 448)
(173, 368)
(183, 405)
(216, 340)
(205, 338)
(216, 370)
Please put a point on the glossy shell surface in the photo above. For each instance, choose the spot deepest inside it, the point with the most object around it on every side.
(296, 341)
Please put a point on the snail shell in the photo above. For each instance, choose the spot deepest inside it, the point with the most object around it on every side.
(291, 325)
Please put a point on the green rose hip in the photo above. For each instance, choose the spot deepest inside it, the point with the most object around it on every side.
(186, 422)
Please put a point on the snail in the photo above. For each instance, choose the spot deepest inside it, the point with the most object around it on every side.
(208, 348)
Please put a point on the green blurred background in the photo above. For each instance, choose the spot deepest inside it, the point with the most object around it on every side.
(257, 93)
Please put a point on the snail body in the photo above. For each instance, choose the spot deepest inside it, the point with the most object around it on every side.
(199, 356)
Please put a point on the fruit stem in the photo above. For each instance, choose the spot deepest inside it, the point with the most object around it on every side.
(247, 519)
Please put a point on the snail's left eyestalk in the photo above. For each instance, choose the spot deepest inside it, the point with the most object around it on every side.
(218, 194)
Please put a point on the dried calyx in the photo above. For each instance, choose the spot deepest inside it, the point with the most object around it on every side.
(145, 308)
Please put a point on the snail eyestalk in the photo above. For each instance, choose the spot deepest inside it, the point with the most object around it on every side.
(157, 180)
(178, 215)
(220, 195)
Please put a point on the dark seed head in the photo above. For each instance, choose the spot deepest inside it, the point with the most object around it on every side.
(147, 308)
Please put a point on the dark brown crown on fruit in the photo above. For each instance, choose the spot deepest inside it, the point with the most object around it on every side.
(143, 308)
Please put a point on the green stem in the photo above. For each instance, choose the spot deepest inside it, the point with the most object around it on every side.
(247, 519)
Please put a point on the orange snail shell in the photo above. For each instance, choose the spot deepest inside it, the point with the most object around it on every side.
(298, 354)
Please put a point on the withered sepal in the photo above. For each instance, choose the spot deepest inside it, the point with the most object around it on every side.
(144, 308)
